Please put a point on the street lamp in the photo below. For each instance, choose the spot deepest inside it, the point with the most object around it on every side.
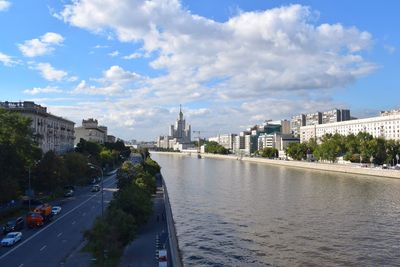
(92, 166)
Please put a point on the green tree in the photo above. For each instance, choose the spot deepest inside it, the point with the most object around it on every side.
(51, 173)
(215, 148)
(269, 152)
(78, 169)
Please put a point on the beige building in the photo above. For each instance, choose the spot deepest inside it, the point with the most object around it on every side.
(225, 140)
(91, 131)
(51, 132)
(385, 126)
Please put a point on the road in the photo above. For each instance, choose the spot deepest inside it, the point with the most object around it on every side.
(54, 242)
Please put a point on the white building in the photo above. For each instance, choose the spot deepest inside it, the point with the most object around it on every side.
(51, 132)
(385, 126)
(276, 140)
(91, 131)
(225, 140)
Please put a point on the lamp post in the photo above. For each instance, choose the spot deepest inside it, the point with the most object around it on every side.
(92, 166)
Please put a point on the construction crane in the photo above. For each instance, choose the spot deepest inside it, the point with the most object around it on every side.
(198, 144)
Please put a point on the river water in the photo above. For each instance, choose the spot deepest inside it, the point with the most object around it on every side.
(235, 213)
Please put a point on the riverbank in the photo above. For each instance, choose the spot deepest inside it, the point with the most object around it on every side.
(341, 168)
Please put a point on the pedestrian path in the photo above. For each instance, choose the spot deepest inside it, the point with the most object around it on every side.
(142, 252)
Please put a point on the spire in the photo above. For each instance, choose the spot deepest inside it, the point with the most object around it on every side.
(180, 112)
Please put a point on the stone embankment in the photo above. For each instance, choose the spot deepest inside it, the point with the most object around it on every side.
(173, 240)
(333, 167)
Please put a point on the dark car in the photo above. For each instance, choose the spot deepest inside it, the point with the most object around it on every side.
(69, 193)
(96, 188)
(13, 225)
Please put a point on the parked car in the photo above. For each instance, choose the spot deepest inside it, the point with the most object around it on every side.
(96, 188)
(162, 255)
(55, 210)
(13, 225)
(69, 193)
(11, 238)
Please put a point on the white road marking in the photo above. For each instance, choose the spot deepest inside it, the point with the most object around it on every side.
(83, 214)
(59, 234)
(74, 222)
(43, 248)
(43, 229)
(21, 265)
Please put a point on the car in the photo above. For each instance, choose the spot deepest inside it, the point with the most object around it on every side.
(11, 238)
(55, 210)
(69, 193)
(96, 188)
(162, 255)
(13, 225)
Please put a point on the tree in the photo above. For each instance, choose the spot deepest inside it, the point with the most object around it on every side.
(215, 148)
(18, 152)
(269, 152)
(77, 166)
(297, 151)
(51, 173)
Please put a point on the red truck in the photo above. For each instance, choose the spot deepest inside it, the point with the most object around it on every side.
(39, 216)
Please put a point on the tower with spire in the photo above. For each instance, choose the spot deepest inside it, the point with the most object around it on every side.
(181, 131)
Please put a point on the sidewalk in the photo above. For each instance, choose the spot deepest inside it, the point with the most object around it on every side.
(142, 251)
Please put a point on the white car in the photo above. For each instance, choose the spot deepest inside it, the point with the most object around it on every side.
(11, 238)
(55, 210)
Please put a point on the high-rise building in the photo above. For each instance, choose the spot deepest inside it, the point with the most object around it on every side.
(179, 135)
(51, 132)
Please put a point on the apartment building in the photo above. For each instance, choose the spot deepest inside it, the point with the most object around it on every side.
(51, 132)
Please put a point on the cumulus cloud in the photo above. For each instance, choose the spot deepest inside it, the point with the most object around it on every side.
(49, 72)
(133, 56)
(7, 61)
(4, 5)
(263, 57)
(45, 90)
(254, 52)
(41, 46)
(112, 82)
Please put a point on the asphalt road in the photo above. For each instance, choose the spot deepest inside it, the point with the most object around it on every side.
(51, 244)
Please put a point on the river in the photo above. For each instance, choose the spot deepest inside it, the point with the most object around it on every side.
(234, 213)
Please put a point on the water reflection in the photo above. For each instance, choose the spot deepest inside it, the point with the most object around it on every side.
(234, 213)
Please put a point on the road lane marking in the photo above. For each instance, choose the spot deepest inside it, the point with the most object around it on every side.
(83, 214)
(43, 229)
(43, 248)
(59, 234)
(74, 222)
(21, 265)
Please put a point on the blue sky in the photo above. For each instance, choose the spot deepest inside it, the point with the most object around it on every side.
(230, 64)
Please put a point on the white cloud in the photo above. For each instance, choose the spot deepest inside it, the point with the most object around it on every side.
(133, 56)
(7, 61)
(41, 46)
(45, 90)
(49, 72)
(114, 53)
(4, 5)
(113, 82)
(264, 57)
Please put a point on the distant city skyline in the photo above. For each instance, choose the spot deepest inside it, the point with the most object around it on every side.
(231, 64)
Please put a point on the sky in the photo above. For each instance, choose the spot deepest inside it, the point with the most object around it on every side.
(231, 64)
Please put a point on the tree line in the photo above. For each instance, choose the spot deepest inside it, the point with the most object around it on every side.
(21, 157)
(130, 208)
(362, 148)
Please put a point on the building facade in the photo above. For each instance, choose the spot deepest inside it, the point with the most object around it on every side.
(225, 140)
(179, 135)
(91, 131)
(385, 126)
(51, 132)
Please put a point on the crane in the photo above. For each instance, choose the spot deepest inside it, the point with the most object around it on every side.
(198, 138)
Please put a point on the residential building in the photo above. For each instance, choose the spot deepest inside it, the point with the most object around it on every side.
(335, 115)
(385, 126)
(225, 140)
(111, 139)
(91, 131)
(314, 118)
(297, 122)
(51, 132)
